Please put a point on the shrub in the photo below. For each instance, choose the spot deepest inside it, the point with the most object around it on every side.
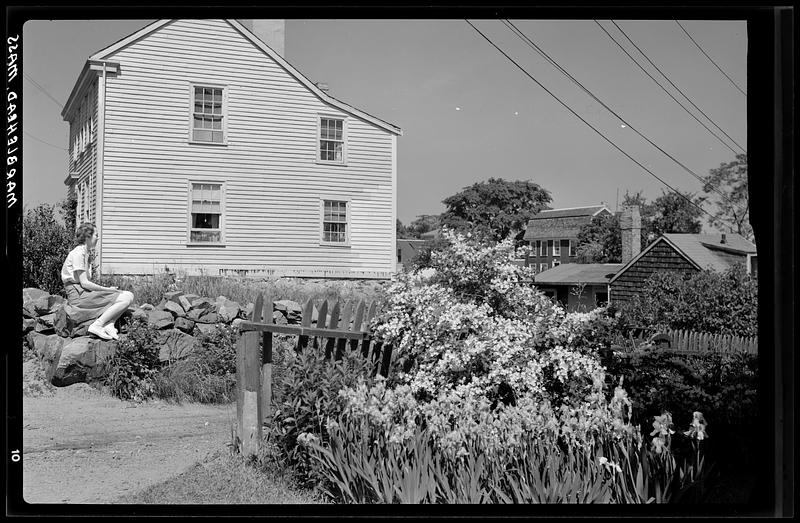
(45, 245)
(479, 353)
(135, 362)
(707, 301)
(306, 393)
(208, 375)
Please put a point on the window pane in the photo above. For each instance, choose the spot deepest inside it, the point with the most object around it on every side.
(205, 221)
(201, 136)
(206, 236)
(216, 136)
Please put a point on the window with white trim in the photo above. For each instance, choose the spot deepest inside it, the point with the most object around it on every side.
(205, 213)
(542, 248)
(208, 113)
(542, 267)
(572, 248)
(557, 248)
(331, 139)
(334, 222)
(536, 246)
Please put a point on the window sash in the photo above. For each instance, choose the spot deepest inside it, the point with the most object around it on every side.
(571, 248)
(542, 267)
(331, 139)
(205, 213)
(207, 114)
(557, 248)
(334, 221)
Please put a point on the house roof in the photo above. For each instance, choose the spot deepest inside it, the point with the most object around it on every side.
(704, 251)
(104, 54)
(569, 212)
(577, 273)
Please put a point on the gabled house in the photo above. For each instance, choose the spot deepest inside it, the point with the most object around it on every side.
(685, 253)
(553, 235)
(196, 146)
(408, 249)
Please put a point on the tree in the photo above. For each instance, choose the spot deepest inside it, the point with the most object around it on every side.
(422, 224)
(45, 244)
(600, 241)
(495, 209)
(673, 213)
(67, 208)
(733, 208)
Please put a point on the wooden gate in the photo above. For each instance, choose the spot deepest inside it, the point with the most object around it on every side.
(348, 325)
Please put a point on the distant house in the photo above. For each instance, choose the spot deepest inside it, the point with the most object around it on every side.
(553, 235)
(407, 250)
(195, 145)
(685, 253)
(578, 286)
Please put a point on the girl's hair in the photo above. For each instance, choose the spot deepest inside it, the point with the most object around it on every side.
(83, 233)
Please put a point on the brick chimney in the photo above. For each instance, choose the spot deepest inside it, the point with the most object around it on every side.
(630, 221)
(271, 32)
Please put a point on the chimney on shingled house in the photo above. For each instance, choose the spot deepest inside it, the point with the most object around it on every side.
(271, 32)
(630, 222)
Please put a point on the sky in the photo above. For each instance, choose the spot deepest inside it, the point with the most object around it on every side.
(466, 111)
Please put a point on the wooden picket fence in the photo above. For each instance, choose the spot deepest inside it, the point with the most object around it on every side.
(348, 325)
(697, 342)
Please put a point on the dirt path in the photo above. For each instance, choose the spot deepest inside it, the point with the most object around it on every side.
(83, 446)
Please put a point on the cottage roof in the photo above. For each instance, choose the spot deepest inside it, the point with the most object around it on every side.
(577, 273)
(569, 212)
(104, 54)
(704, 251)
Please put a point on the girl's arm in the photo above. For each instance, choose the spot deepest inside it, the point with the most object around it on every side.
(90, 286)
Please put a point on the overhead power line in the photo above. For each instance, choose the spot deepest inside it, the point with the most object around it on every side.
(587, 123)
(42, 89)
(42, 141)
(709, 58)
(558, 66)
(645, 71)
(676, 87)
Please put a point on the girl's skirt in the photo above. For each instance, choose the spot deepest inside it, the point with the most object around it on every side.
(86, 305)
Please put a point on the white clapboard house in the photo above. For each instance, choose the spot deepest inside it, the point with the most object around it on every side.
(196, 147)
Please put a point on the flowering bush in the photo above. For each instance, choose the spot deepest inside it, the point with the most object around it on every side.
(479, 353)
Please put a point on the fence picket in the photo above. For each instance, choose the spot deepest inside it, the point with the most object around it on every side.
(322, 317)
(358, 323)
(347, 313)
(266, 359)
(333, 324)
(305, 321)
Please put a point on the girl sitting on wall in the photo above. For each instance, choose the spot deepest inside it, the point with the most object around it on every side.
(89, 300)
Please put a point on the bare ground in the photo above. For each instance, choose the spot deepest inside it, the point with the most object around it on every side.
(83, 446)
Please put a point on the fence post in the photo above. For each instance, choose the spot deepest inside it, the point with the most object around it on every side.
(248, 406)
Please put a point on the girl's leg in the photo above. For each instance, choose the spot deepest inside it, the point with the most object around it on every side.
(111, 314)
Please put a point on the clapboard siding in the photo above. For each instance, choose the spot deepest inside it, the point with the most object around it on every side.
(273, 182)
(84, 162)
(662, 257)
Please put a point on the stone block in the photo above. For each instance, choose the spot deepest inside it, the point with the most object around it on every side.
(173, 296)
(228, 310)
(175, 309)
(45, 324)
(70, 322)
(48, 349)
(206, 328)
(204, 304)
(28, 325)
(175, 345)
(290, 309)
(78, 362)
(160, 319)
(34, 302)
(195, 314)
(211, 317)
(236, 322)
(185, 303)
(247, 312)
(191, 296)
(184, 324)
(147, 307)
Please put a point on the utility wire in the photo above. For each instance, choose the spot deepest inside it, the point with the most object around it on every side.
(42, 89)
(553, 62)
(678, 88)
(710, 59)
(42, 141)
(715, 135)
(588, 124)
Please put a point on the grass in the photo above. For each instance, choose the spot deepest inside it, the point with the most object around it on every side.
(150, 289)
(224, 479)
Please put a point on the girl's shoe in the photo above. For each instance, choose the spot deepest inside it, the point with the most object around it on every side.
(112, 331)
(98, 331)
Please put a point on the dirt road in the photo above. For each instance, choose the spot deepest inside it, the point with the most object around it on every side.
(83, 446)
